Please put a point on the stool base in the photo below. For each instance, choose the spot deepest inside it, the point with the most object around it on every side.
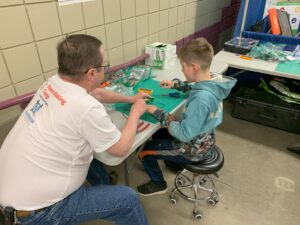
(194, 188)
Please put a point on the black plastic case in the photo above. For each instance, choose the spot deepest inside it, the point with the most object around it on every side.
(258, 106)
(240, 45)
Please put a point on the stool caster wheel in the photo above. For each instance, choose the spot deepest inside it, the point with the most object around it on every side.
(180, 181)
(197, 214)
(173, 200)
(203, 181)
(213, 200)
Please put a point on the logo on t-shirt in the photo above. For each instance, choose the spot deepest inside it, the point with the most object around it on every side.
(36, 107)
(42, 100)
(29, 115)
(56, 95)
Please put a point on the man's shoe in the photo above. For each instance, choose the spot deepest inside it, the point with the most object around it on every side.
(150, 188)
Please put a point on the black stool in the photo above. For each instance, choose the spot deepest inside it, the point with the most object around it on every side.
(194, 183)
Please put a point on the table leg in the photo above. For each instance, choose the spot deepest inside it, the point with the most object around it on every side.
(126, 172)
(127, 166)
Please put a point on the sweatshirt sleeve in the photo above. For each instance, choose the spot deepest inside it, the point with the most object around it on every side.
(163, 117)
(192, 123)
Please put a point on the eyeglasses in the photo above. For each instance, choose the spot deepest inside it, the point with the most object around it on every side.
(106, 68)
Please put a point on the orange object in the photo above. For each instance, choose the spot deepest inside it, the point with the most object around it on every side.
(147, 91)
(245, 57)
(141, 127)
(104, 84)
(273, 18)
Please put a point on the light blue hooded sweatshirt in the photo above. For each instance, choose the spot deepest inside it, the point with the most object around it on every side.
(194, 132)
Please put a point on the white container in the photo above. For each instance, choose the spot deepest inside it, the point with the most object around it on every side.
(162, 55)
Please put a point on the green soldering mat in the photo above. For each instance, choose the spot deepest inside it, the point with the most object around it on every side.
(166, 103)
(292, 67)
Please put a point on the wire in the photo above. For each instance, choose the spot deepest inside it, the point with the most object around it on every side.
(140, 127)
(125, 115)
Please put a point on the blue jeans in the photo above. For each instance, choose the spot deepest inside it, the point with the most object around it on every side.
(119, 204)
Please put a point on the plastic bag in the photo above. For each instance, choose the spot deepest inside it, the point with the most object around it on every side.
(132, 75)
(120, 89)
(269, 52)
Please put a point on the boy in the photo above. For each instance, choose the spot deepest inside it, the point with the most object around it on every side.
(191, 138)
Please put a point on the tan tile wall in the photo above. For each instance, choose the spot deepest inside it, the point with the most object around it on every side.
(31, 29)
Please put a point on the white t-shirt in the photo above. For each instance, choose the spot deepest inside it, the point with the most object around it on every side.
(46, 155)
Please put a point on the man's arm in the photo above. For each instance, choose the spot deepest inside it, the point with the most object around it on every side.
(110, 97)
(128, 133)
(106, 96)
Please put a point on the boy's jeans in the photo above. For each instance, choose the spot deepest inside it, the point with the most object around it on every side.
(119, 204)
(161, 147)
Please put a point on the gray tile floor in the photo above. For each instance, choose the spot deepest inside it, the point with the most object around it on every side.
(258, 185)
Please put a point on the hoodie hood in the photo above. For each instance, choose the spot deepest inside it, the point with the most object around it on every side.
(219, 85)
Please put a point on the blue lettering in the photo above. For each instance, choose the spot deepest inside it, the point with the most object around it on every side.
(28, 117)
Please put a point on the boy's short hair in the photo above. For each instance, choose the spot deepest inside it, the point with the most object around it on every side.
(78, 53)
(197, 51)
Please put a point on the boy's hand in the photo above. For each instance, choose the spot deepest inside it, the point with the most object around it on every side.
(140, 95)
(138, 108)
(151, 108)
(166, 84)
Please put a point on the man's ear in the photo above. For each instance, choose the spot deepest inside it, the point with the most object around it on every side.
(90, 74)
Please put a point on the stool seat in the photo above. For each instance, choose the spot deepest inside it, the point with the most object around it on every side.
(212, 164)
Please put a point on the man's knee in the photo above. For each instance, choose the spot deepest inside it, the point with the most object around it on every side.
(130, 195)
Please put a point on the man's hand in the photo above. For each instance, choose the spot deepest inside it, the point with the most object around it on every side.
(151, 108)
(166, 84)
(138, 108)
(140, 95)
(124, 144)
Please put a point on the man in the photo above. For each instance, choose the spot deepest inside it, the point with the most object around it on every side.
(46, 157)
